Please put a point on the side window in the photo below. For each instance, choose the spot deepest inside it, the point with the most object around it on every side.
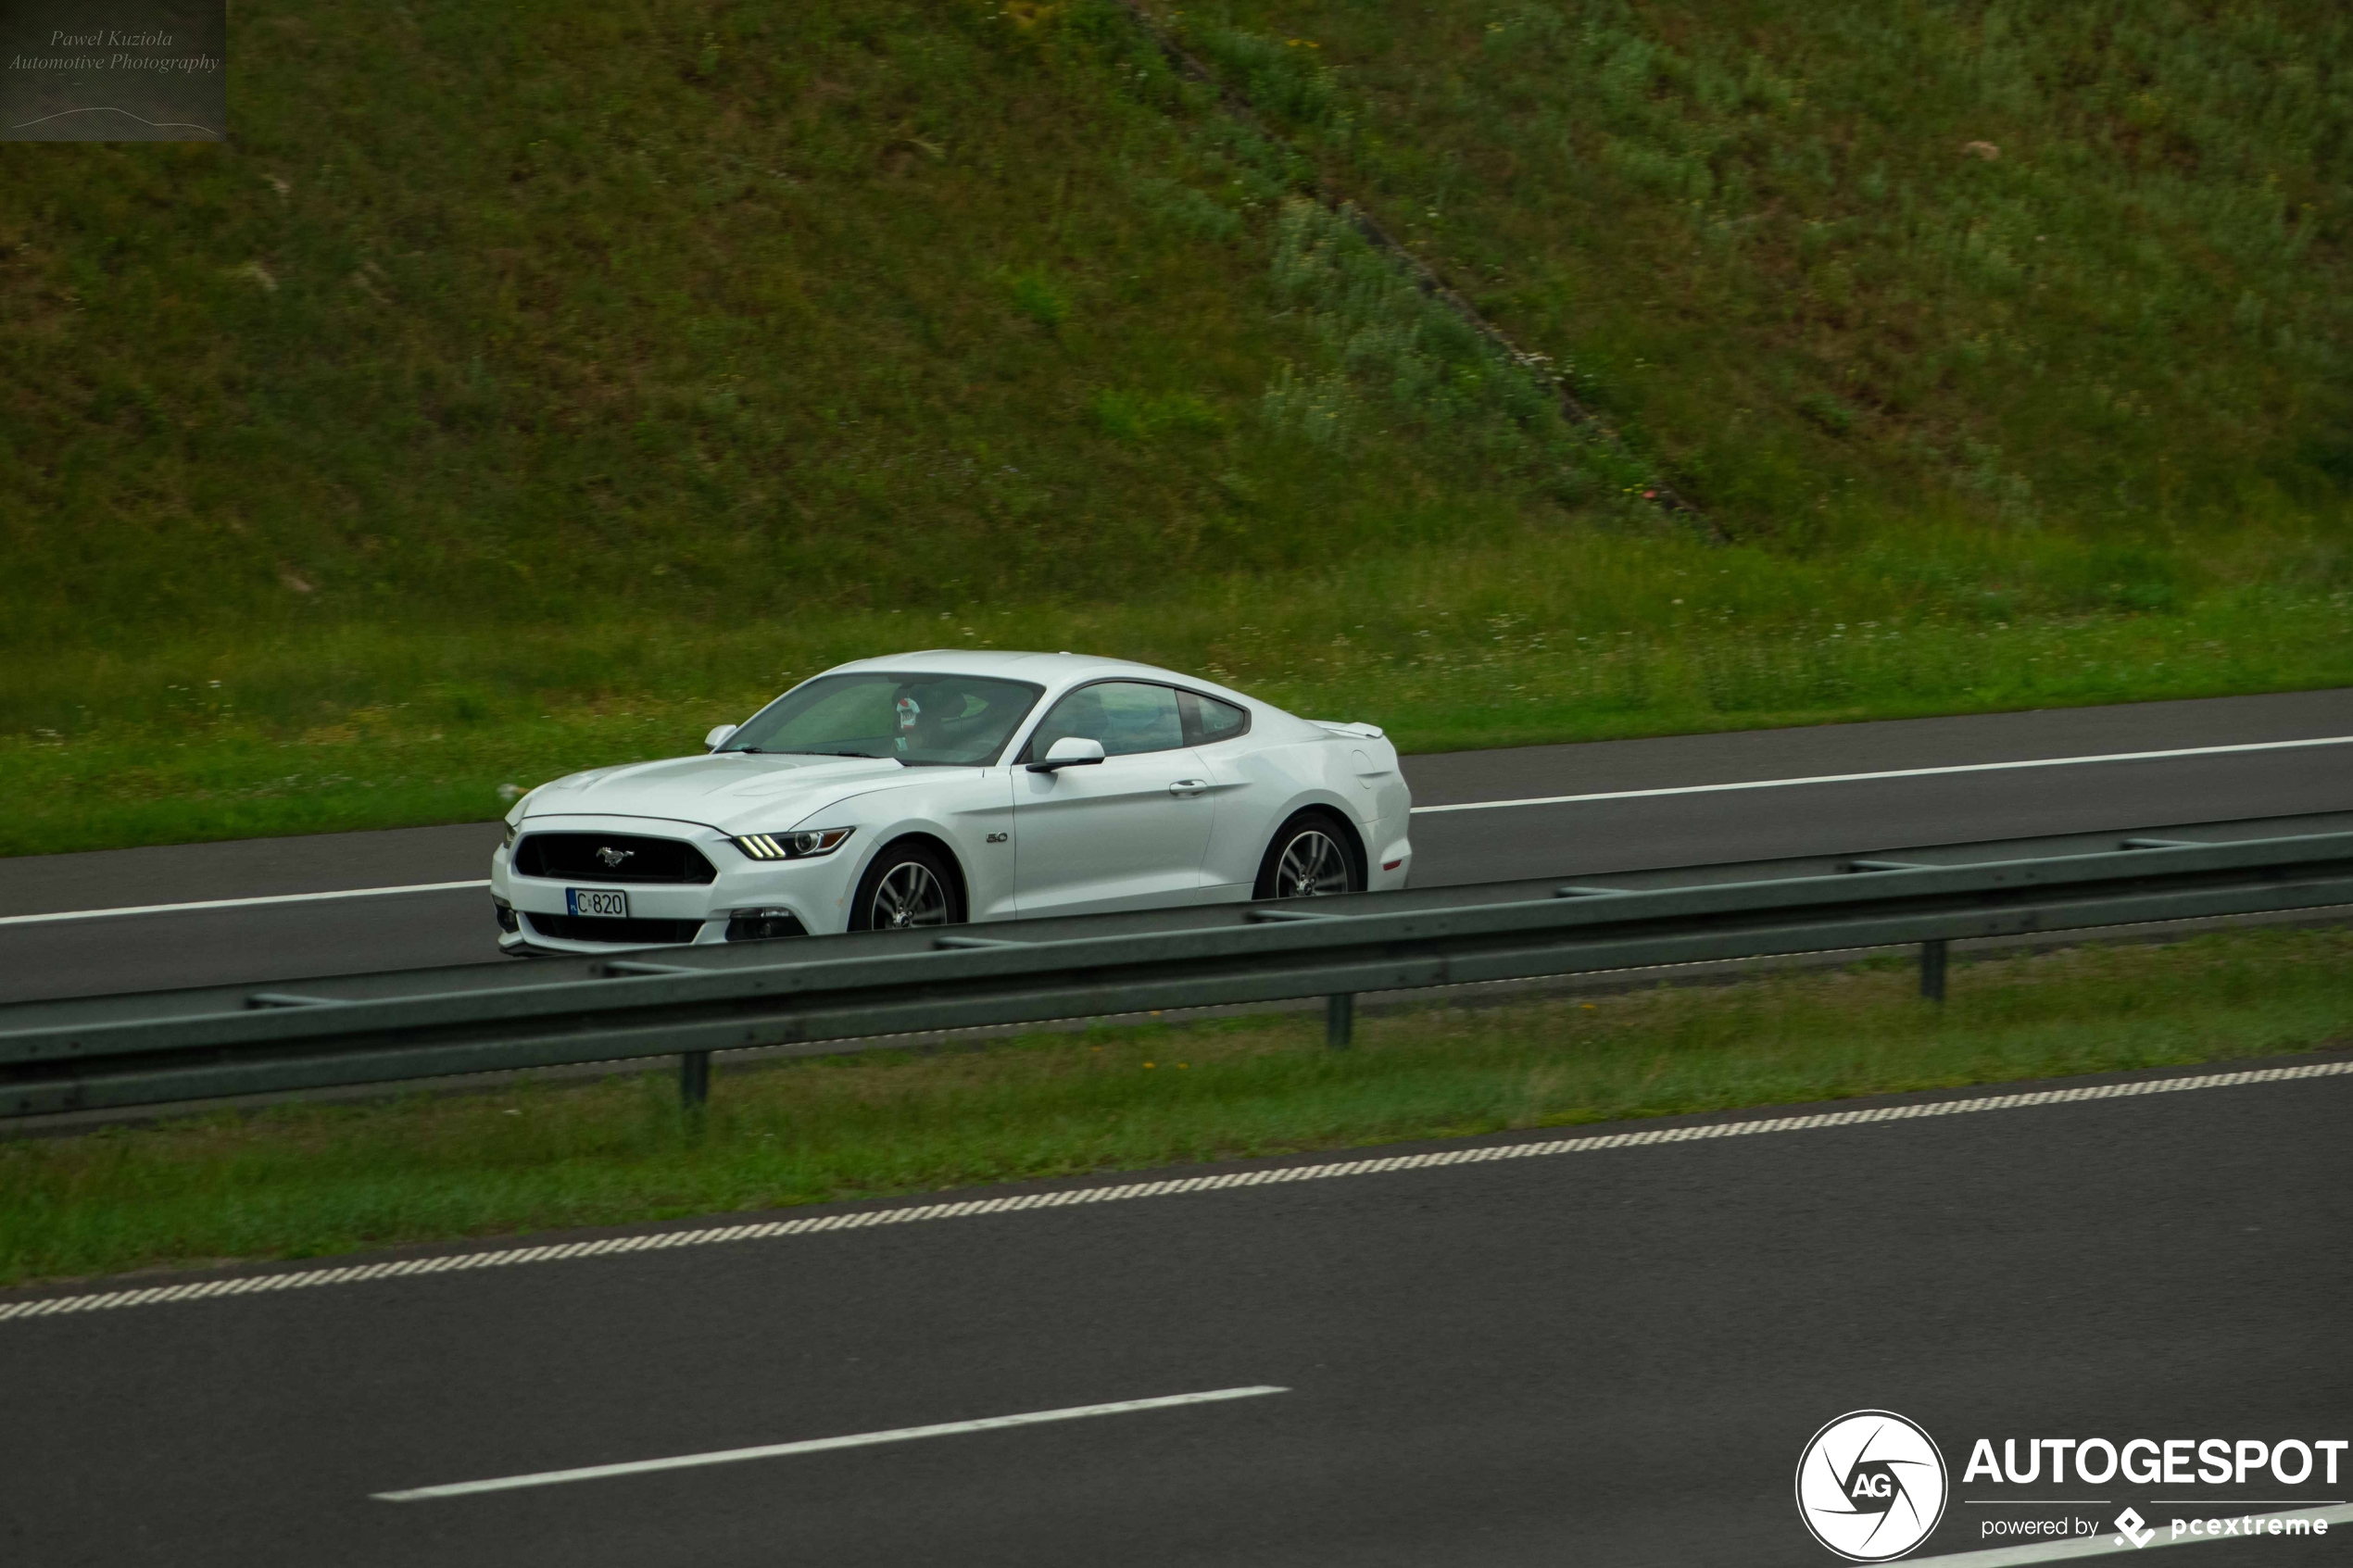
(1126, 716)
(1208, 721)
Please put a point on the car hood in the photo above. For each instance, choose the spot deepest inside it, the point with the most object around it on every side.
(720, 789)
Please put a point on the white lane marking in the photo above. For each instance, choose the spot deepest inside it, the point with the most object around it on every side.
(1068, 1197)
(241, 903)
(2109, 1541)
(1892, 773)
(820, 1445)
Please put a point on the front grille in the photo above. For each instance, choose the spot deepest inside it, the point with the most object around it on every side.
(636, 933)
(572, 857)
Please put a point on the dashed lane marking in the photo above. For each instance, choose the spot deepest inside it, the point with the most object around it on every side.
(1068, 1198)
(241, 903)
(821, 1445)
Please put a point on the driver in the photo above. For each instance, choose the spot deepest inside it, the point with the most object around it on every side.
(922, 714)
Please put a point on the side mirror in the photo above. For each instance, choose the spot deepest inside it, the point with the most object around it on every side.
(1071, 751)
(718, 737)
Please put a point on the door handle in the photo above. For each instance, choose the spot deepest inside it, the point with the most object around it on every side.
(1189, 786)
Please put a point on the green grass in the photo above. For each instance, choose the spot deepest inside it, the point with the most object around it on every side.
(302, 1181)
(559, 314)
(1564, 638)
(530, 386)
(1849, 261)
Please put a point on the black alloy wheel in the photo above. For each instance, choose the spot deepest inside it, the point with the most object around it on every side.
(1309, 859)
(908, 885)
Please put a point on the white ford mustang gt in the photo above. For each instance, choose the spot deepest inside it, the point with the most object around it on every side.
(932, 788)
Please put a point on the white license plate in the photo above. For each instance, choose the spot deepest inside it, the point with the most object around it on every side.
(597, 902)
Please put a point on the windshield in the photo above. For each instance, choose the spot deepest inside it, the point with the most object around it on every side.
(935, 719)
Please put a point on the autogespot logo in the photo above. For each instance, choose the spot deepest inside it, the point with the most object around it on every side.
(1871, 1485)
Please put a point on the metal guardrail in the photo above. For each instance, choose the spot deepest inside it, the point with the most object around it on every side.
(813, 1000)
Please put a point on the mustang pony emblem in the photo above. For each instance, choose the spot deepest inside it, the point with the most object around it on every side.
(612, 857)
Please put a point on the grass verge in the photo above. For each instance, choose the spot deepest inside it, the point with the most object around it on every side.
(305, 1181)
(1543, 637)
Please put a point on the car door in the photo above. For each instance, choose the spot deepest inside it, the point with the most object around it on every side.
(1127, 833)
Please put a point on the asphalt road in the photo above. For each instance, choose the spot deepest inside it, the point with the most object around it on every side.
(1608, 1357)
(1586, 836)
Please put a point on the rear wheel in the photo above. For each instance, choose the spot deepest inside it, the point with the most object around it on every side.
(1309, 859)
(908, 885)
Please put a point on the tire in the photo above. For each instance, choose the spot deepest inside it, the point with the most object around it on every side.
(1310, 857)
(908, 884)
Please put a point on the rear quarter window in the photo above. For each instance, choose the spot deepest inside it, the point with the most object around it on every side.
(1209, 721)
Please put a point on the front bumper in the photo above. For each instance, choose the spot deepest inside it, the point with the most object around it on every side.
(812, 894)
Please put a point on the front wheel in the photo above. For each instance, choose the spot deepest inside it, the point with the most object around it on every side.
(908, 885)
(1309, 859)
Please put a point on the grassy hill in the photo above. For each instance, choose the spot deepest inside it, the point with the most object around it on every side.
(531, 385)
(1853, 261)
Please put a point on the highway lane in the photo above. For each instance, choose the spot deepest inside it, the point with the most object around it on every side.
(1610, 1355)
(252, 943)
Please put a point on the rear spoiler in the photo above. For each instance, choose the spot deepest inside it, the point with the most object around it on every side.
(1366, 732)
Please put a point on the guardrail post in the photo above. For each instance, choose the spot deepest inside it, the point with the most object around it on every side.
(1932, 970)
(1340, 1020)
(693, 1080)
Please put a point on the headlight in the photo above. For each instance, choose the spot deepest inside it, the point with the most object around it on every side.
(509, 840)
(800, 846)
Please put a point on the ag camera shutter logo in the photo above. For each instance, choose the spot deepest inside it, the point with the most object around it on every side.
(1872, 1486)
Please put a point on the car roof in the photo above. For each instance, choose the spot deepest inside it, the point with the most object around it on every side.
(1043, 668)
(1053, 670)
